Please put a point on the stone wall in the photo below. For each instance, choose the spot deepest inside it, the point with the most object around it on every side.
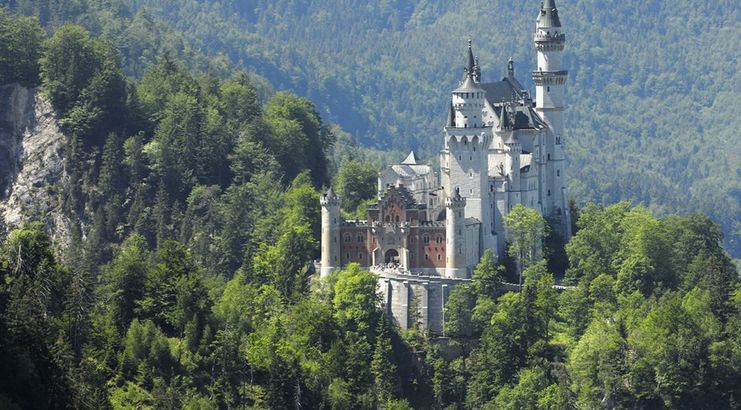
(419, 299)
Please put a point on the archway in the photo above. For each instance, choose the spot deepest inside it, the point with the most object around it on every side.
(392, 256)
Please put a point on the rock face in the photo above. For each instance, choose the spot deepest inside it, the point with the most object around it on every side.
(32, 166)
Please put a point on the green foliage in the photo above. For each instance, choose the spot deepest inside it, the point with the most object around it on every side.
(298, 138)
(20, 49)
(84, 81)
(193, 287)
(356, 182)
(525, 231)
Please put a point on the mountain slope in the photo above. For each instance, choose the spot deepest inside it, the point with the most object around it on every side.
(651, 87)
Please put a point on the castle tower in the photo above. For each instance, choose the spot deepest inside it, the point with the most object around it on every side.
(550, 81)
(455, 255)
(464, 158)
(330, 232)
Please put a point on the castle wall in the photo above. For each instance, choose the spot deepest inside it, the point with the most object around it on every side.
(416, 300)
(355, 246)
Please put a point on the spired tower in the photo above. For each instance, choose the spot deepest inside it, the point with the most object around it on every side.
(455, 256)
(464, 160)
(330, 232)
(550, 81)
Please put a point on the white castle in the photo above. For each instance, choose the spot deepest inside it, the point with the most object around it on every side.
(500, 148)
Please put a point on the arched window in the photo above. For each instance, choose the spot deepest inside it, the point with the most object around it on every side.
(426, 239)
(348, 238)
(439, 257)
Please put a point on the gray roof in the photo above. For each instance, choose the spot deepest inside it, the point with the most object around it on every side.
(406, 171)
(468, 85)
(509, 89)
(548, 16)
(411, 159)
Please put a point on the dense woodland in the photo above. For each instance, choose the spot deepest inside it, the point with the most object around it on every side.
(650, 96)
(189, 282)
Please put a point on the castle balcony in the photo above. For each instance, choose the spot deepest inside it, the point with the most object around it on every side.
(355, 223)
(550, 77)
(548, 38)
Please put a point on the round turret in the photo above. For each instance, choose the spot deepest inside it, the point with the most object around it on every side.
(330, 232)
(455, 257)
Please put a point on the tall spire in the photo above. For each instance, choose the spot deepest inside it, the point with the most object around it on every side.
(471, 62)
(548, 17)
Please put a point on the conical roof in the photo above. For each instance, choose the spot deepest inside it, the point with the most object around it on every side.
(467, 85)
(548, 17)
(411, 159)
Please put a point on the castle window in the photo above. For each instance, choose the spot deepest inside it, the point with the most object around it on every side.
(474, 149)
(347, 255)
(460, 251)
(558, 172)
(360, 238)
(439, 239)
(549, 192)
(549, 157)
(397, 219)
(426, 239)
(558, 140)
(459, 157)
(439, 257)
(360, 255)
(427, 257)
(388, 218)
(548, 88)
(348, 238)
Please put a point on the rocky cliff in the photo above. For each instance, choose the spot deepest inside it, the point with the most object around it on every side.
(32, 166)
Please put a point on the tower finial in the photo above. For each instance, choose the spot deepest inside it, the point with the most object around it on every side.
(471, 63)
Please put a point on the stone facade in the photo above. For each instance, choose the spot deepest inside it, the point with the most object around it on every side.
(500, 148)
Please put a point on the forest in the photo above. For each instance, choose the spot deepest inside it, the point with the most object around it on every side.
(189, 280)
(655, 128)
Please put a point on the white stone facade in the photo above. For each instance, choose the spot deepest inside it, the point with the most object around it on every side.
(500, 147)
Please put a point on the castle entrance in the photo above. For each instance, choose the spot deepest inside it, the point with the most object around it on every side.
(392, 256)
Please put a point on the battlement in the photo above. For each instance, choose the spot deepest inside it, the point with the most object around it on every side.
(326, 200)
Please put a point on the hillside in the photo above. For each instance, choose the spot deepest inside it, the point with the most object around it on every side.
(657, 128)
(162, 227)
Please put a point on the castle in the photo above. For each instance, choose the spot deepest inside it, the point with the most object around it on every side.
(500, 148)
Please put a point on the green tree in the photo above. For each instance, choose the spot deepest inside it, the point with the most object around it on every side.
(487, 275)
(383, 366)
(526, 231)
(20, 49)
(355, 182)
(298, 138)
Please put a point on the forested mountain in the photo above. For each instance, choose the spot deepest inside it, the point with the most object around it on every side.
(190, 191)
(651, 90)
